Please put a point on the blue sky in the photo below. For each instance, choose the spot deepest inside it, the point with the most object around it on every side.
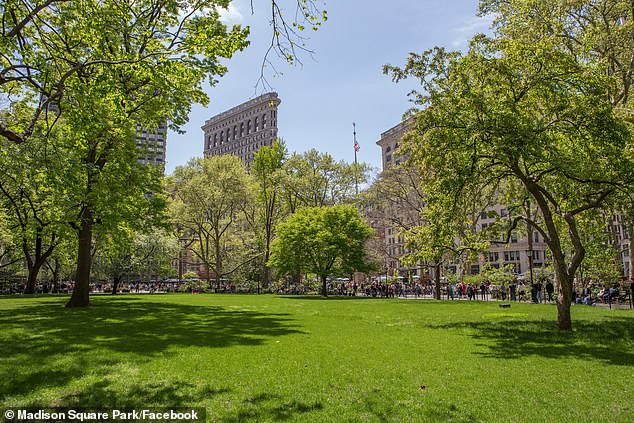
(343, 82)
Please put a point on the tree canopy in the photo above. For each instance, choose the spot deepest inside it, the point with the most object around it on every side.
(210, 196)
(322, 240)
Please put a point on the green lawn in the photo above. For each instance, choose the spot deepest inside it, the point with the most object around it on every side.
(267, 358)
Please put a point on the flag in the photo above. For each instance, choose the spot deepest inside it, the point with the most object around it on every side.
(356, 146)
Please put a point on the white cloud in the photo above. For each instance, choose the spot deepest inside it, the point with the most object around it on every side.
(231, 15)
(471, 26)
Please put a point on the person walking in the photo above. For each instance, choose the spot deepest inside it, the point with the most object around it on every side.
(550, 289)
(503, 291)
(483, 291)
(513, 290)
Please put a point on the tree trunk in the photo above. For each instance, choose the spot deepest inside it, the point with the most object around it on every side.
(564, 298)
(324, 286)
(115, 284)
(81, 292)
(35, 264)
(32, 278)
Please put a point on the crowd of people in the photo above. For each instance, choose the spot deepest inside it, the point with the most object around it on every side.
(538, 292)
(97, 287)
(592, 293)
(514, 291)
(588, 294)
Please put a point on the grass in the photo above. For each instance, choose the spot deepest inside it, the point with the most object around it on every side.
(267, 358)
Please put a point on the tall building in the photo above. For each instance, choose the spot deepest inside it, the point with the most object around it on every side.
(390, 141)
(243, 129)
(152, 144)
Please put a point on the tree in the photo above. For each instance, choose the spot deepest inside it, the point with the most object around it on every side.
(33, 192)
(322, 240)
(153, 253)
(265, 169)
(528, 121)
(402, 205)
(595, 31)
(209, 195)
(315, 179)
(163, 59)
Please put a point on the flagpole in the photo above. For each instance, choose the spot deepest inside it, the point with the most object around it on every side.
(356, 167)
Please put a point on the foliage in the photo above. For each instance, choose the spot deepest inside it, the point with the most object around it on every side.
(36, 197)
(48, 49)
(154, 252)
(314, 179)
(322, 240)
(46, 45)
(190, 275)
(210, 196)
(266, 170)
(126, 252)
(8, 248)
(498, 275)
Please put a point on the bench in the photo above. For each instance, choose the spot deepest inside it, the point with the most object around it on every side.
(620, 297)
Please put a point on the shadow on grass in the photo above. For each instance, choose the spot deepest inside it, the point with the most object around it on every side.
(271, 407)
(610, 340)
(166, 394)
(46, 346)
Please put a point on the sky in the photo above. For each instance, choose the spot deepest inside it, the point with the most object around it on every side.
(343, 81)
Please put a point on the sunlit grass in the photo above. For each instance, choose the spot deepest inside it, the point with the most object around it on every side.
(266, 358)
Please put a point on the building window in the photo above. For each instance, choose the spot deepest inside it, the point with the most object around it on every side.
(235, 132)
(256, 125)
(228, 134)
(388, 158)
(388, 149)
(241, 129)
(215, 140)
(248, 126)
(221, 137)
(263, 121)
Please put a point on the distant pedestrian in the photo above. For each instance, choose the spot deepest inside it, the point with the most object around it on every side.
(550, 289)
(539, 288)
(513, 290)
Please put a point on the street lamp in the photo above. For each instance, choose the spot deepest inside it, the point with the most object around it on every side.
(530, 269)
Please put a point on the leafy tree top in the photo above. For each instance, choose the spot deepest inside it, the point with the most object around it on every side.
(322, 240)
